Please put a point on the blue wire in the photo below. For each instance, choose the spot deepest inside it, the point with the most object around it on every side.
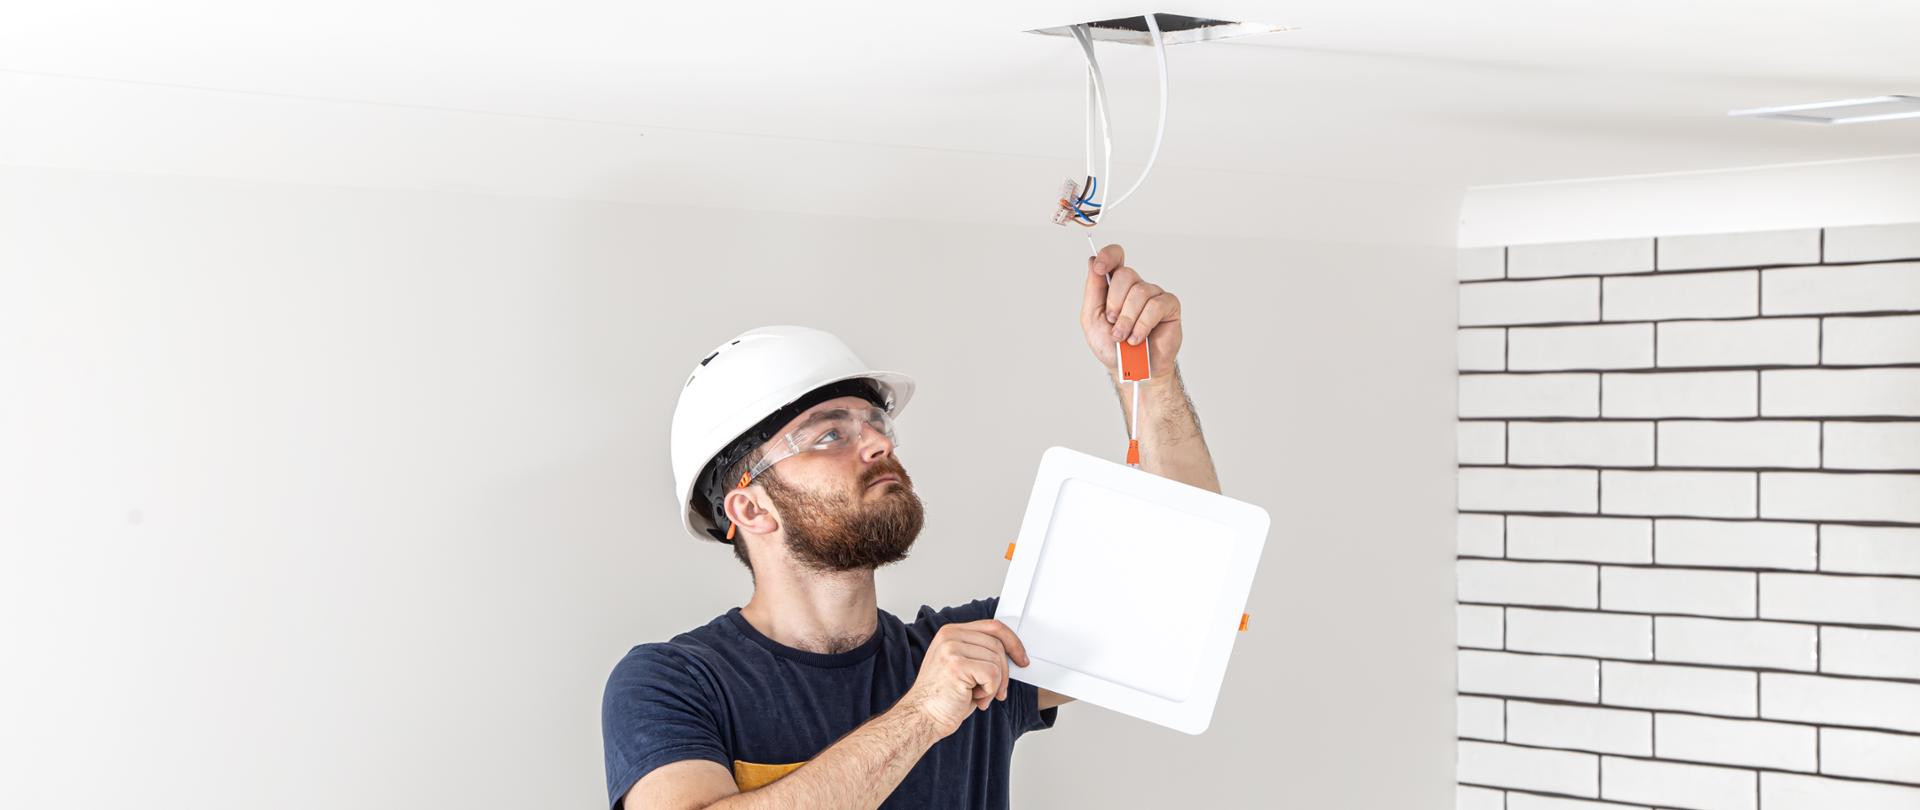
(1093, 183)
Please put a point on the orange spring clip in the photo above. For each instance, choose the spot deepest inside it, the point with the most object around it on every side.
(1133, 451)
(1010, 550)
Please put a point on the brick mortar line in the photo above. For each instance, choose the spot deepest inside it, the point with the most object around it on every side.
(1579, 705)
(1757, 670)
(1897, 524)
(1843, 625)
(1739, 268)
(1695, 762)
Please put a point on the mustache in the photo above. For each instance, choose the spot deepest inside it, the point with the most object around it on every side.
(892, 468)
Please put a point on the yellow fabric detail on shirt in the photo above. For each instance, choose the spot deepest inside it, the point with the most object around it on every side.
(750, 775)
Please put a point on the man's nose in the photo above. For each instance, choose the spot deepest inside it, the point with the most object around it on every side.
(874, 444)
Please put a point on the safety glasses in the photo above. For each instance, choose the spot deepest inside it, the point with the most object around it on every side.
(829, 431)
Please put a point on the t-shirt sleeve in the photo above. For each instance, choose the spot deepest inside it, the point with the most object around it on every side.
(656, 711)
(1023, 699)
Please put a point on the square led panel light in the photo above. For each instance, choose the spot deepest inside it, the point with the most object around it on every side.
(1849, 111)
(1128, 588)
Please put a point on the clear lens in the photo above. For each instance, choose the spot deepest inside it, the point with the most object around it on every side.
(828, 431)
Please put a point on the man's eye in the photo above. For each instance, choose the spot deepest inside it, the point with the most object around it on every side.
(828, 437)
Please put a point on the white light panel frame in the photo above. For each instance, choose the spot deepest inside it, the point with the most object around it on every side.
(1128, 588)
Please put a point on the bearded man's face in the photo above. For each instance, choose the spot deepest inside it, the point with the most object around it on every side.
(836, 524)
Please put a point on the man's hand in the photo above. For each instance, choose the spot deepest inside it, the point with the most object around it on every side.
(965, 670)
(1126, 307)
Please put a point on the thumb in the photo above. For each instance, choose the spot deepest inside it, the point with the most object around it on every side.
(1095, 298)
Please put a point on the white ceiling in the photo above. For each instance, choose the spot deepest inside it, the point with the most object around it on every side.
(782, 104)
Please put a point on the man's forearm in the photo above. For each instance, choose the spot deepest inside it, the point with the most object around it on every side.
(856, 773)
(1171, 444)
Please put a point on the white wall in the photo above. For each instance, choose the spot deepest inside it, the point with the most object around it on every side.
(319, 496)
(1690, 521)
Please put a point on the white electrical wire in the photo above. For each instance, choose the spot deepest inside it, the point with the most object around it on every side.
(1160, 130)
(1133, 430)
(1098, 97)
(1086, 136)
(1083, 34)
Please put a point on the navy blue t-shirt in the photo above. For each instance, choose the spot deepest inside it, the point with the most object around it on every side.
(726, 693)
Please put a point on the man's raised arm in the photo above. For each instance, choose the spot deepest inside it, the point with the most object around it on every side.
(1171, 444)
(1120, 306)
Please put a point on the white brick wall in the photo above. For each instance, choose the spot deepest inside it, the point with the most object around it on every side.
(1762, 342)
(1548, 348)
(1748, 249)
(1541, 676)
(1530, 394)
(1616, 731)
(1866, 341)
(1785, 746)
(1581, 444)
(1869, 754)
(1695, 443)
(1673, 784)
(1735, 544)
(1701, 494)
(1860, 288)
(1884, 653)
(1729, 692)
(1687, 591)
(1482, 349)
(1690, 522)
(1600, 257)
(1873, 445)
(1623, 540)
(1579, 632)
(1683, 295)
(1785, 791)
(1840, 392)
(1775, 645)
(1697, 393)
(1530, 768)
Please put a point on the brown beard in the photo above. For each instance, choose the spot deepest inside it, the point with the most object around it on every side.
(830, 532)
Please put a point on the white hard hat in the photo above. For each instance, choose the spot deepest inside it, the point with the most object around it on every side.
(746, 380)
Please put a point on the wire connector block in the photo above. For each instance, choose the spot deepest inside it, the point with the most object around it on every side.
(1069, 193)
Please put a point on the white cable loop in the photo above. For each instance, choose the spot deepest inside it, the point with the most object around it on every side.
(1083, 35)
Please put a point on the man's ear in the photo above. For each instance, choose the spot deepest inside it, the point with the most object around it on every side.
(747, 508)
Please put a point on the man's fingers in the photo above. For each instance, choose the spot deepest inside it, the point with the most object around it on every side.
(989, 645)
(1005, 635)
(1118, 285)
(1094, 301)
(992, 656)
(1158, 310)
(984, 680)
(1136, 302)
(1109, 257)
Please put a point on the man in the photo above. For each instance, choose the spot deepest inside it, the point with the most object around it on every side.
(810, 696)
